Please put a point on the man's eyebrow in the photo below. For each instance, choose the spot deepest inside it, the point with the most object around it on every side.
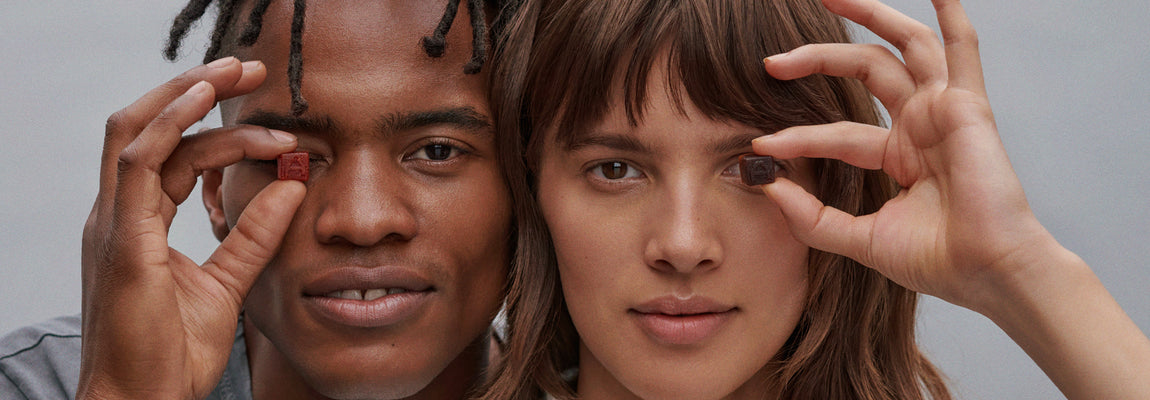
(462, 117)
(288, 122)
(609, 140)
(734, 143)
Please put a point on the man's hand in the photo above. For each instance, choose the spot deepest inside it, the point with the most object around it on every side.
(156, 324)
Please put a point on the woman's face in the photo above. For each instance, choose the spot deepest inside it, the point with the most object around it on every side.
(681, 281)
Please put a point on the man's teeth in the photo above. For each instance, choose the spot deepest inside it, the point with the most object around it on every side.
(366, 295)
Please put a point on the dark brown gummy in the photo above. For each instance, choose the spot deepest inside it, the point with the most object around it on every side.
(293, 166)
(756, 170)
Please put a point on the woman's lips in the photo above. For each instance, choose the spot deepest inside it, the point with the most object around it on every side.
(368, 297)
(675, 321)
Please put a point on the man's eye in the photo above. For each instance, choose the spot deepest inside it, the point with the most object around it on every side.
(615, 170)
(436, 152)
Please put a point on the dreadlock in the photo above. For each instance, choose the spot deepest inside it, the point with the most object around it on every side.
(434, 45)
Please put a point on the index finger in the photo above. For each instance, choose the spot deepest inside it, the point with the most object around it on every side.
(918, 44)
(227, 76)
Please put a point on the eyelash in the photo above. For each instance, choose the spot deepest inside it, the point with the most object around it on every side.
(597, 175)
(455, 151)
(597, 170)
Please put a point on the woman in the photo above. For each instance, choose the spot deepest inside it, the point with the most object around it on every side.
(671, 279)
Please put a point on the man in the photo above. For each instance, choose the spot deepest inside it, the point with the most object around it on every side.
(378, 278)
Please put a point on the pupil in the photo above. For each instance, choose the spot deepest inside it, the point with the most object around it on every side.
(614, 170)
(438, 152)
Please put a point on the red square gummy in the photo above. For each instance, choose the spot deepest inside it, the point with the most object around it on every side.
(292, 166)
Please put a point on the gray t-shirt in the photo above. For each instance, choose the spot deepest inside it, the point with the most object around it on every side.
(42, 361)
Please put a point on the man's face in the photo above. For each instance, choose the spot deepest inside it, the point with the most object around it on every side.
(394, 264)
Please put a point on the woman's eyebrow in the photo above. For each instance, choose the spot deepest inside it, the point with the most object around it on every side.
(609, 140)
(731, 144)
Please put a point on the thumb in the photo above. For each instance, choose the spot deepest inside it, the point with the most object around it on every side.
(819, 226)
(255, 239)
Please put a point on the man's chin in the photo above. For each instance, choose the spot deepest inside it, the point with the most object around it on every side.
(366, 373)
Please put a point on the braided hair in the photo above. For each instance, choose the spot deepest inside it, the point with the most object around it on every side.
(434, 45)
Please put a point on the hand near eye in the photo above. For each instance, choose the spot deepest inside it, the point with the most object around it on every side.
(960, 228)
(156, 324)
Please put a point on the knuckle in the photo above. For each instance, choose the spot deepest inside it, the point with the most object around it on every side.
(877, 51)
(255, 251)
(116, 122)
(128, 158)
(921, 33)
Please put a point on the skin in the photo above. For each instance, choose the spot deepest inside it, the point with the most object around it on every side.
(672, 222)
(379, 195)
(986, 250)
(960, 229)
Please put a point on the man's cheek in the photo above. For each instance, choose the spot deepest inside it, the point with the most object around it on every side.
(239, 186)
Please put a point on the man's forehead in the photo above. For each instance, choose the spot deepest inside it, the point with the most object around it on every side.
(360, 30)
(363, 55)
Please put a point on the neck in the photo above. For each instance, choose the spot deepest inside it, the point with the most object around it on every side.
(273, 376)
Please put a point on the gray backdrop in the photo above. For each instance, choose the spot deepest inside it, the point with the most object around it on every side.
(1067, 80)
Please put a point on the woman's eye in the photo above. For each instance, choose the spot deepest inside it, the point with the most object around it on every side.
(615, 170)
(734, 172)
(437, 152)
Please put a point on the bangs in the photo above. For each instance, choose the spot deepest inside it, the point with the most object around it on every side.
(586, 50)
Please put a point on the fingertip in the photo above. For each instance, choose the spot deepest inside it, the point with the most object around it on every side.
(254, 73)
(783, 192)
(252, 66)
(282, 137)
(762, 145)
(222, 62)
(289, 189)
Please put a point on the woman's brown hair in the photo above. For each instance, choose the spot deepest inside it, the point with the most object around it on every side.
(559, 67)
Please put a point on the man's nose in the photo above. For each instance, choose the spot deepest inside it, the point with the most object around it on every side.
(365, 200)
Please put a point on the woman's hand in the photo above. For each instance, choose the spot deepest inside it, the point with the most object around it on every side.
(962, 219)
(156, 324)
(960, 228)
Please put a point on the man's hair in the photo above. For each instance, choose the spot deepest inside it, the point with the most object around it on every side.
(434, 45)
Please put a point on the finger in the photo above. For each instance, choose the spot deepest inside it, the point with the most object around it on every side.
(819, 226)
(138, 193)
(228, 77)
(883, 74)
(961, 41)
(256, 238)
(919, 45)
(219, 148)
(856, 144)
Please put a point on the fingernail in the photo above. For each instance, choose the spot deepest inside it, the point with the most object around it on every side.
(197, 89)
(250, 65)
(223, 62)
(775, 57)
(282, 136)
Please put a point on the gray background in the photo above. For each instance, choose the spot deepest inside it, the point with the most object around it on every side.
(1067, 80)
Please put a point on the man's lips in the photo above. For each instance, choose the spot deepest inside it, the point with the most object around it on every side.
(360, 283)
(368, 297)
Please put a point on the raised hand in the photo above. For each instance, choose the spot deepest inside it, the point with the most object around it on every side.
(962, 217)
(960, 228)
(156, 324)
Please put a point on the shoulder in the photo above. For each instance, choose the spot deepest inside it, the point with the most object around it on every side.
(41, 361)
